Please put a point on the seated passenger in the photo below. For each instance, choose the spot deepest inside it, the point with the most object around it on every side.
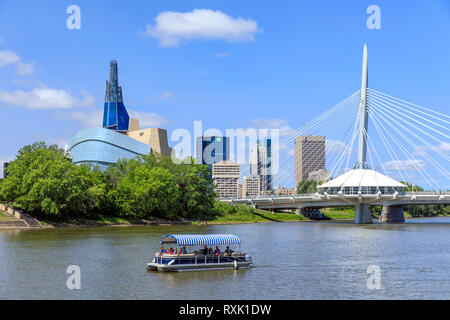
(228, 250)
(162, 250)
(180, 251)
(217, 251)
(205, 250)
(210, 251)
(184, 250)
(171, 251)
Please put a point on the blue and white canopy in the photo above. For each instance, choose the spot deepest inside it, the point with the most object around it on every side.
(200, 239)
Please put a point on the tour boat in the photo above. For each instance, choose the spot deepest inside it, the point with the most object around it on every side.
(184, 252)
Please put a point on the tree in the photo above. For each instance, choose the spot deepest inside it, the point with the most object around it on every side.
(148, 192)
(45, 183)
(307, 186)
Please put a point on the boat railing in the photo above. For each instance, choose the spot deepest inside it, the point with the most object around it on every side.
(200, 259)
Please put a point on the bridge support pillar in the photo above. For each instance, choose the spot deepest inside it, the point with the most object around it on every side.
(311, 213)
(392, 214)
(362, 214)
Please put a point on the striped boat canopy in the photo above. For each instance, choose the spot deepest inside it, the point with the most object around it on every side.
(200, 239)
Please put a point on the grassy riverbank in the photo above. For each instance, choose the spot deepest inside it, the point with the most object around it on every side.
(243, 214)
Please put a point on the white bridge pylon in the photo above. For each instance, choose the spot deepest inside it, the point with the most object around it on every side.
(409, 145)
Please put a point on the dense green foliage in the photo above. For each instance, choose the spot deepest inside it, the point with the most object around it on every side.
(307, 186)
(46, 184)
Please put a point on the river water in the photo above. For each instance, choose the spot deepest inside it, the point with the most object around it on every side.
(304, 260)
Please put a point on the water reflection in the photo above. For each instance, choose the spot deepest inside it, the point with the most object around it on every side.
(291, 260)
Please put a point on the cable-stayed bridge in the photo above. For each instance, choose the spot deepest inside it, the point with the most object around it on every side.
(408, 145)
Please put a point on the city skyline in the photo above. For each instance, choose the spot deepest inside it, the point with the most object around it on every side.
(158, 86)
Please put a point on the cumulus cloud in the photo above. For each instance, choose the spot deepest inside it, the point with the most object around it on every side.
(404, 164)
(94, 118)
(25, 69)
(221, 55)
(172, 28)
(149, 120)
(8, 57)
(336, 147)
(166, 95)
(46, 98)
(280, 124)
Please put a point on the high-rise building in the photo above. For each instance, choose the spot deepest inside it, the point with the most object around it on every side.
(5, 165)
(115, 116)
(212, 150)
(261, 163)
(225, 175)
(309, 156)
(251, 186)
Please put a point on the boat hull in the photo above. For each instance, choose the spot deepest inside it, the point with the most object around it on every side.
(197, 267)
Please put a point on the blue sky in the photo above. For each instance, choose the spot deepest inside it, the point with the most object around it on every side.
(285, 63)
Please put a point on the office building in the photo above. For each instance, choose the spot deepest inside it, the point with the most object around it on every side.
(261, 163)
(251, 186)
(5, 165)
(211, 150)
(225, 176)
(309, 156)
(283, 191)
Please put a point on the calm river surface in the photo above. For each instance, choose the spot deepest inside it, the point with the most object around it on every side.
(291, 261)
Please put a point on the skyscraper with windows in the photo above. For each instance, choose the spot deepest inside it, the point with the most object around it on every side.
(115, 116)
(261, 163)
(309, 156)
(211, 150)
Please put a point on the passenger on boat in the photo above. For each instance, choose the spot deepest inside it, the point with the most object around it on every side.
(217, 251)
(171, 251)
(205, 250)
(162, 250)
(210, 251)
(184, 251)
(228, 250)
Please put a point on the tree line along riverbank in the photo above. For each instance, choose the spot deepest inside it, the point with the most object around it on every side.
(44, 183)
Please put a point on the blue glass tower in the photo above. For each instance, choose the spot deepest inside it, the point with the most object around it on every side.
(115, 116)
(212, 150)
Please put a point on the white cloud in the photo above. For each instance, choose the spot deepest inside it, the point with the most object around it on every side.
(8, 57)
(171, 28)
(25, 69)
(46, 98)
(94, 118)
(280, 124)
(404, 164)
(166, 95)
(149, 120)
(335, 146)
(444, 148)
(221, 55)
(88, 119)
